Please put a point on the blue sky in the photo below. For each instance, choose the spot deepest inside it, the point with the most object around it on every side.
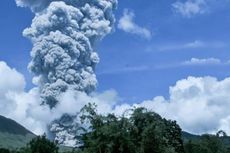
(140, 68)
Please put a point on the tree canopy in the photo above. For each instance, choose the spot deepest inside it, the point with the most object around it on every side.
(141, 132)
(136, 131)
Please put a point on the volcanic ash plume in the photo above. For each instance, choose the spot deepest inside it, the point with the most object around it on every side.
(64, 34)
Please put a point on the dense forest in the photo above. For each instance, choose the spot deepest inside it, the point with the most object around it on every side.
(139, 131)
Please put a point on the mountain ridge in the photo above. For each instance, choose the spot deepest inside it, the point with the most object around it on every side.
(8, 125)
(13, 135)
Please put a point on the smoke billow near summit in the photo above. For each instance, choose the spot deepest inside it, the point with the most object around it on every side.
(64, 57)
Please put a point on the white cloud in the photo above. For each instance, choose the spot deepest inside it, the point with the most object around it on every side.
(187, 45)
(127, 24)
(204, 61)
(190, 7)
(24, 107)
(195, 44)
(14, 102)
(11, 82)
(10, 79)
(194, 62)
(190, 45)
(105, 102)
(199, 105)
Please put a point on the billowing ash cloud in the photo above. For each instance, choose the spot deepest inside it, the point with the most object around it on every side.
(64, 34)
(24, 107)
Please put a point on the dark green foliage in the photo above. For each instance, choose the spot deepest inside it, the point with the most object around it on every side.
(206, 144)
(37, 145)
(40, 145)
(142, 132)
(155, 133)
(3, 150)
(137, 131)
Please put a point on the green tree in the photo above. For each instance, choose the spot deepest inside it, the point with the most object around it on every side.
(142, 132)
(156, 134)
(206, 144)
(3, 150)
(40, 144)
(108, 133)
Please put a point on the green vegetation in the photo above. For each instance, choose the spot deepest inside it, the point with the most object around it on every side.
(40, 145)
(141, 132)
(13, 135)
(207, 144)
(13, 141)
(37, 145)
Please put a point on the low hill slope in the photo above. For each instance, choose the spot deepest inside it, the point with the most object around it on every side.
(187, 136)
(12, 134)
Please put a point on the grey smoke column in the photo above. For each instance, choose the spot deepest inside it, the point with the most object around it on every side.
(64, 34)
